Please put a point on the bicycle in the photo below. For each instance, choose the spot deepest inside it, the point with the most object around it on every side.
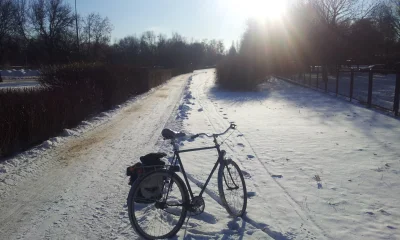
(170, 205)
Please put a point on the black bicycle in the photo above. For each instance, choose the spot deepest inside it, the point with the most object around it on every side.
(158, 201)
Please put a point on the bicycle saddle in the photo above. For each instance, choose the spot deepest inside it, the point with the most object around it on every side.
(169, 134)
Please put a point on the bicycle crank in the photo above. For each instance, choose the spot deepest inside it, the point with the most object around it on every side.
(197, 205)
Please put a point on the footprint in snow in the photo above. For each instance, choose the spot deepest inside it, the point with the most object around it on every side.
(240, 144)
(251, 194)
(225, 118)
(250, 156)
(277, 176)
(246, 174)
(240, 135)
(384, 212)
(200, 109)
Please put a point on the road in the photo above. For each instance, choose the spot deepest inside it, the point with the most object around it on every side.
(315, 166)
(78, 190)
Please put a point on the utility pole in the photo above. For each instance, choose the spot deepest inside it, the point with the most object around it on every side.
(77, 32)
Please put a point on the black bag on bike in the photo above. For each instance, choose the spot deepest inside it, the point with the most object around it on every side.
(152, 188)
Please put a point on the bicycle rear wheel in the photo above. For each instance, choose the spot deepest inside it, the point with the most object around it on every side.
(232, 188)
(158, 212)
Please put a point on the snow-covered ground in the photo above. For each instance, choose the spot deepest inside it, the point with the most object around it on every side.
(289, 138)
(383, 86)
(19, 73)
(25, 83)
(316, 167)
(19, 78)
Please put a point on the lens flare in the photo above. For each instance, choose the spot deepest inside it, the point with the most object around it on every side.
(258, 9)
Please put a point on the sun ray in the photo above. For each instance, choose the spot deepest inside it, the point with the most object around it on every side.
(258, 9)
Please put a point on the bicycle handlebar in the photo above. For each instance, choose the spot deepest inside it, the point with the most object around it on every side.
(232, 126)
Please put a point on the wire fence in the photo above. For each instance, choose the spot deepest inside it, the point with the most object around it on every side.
(374, 88)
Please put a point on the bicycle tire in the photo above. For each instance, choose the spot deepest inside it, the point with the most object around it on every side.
(175, 181)
(223, 182)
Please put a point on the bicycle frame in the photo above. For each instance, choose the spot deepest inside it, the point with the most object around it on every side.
(221, 154)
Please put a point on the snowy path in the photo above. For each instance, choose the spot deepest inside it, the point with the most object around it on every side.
(78, 190)
(315, 167)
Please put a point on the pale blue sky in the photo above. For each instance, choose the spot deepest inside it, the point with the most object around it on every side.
(194, 19)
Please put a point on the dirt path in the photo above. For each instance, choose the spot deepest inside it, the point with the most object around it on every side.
(79, 190)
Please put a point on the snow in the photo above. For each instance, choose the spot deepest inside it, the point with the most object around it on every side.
(316, 167)
(290, 137)
(28, 157)
(19, 78)
(19, 84)
(383, 86)
(19, 73)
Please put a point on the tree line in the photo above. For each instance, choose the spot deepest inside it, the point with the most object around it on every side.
(315, 32)
(326, 32)
(41, 32)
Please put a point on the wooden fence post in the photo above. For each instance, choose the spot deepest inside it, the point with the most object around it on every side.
(396, 95)
(351, 84)
(370, 77)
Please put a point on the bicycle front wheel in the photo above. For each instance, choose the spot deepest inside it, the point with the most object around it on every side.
(157, 204)
(232, 188)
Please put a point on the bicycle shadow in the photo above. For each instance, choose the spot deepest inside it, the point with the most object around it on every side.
(239, 231)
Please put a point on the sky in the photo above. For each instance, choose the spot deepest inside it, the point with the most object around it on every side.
(194, 19)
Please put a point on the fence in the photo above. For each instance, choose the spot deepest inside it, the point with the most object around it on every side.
(375, 88)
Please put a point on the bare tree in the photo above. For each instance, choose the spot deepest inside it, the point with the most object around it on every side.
(7, 19)
(21, 18)
(52, 21)
(334, 12)
(391, 9)
(150, 38)
(96, 34)
(97, 29)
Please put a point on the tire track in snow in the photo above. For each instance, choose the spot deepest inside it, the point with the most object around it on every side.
(201, 90)
(260, 226)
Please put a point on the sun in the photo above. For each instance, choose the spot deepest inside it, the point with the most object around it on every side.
(259, 9)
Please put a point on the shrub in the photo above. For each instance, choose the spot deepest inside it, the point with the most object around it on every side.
(117, 83)
(235, 73)
(70, 93)
(30, 116)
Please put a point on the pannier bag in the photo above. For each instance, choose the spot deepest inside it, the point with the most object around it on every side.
(151, 188)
